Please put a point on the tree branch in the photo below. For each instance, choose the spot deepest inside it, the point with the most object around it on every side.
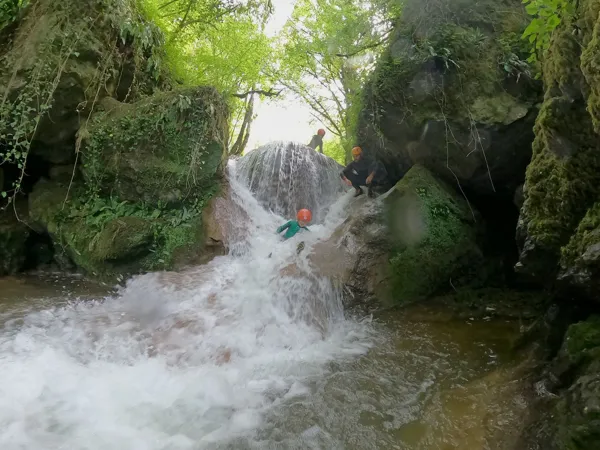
(366, 47)
(269, 93)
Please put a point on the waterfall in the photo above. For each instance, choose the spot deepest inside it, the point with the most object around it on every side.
(195, 359)
(286, 176)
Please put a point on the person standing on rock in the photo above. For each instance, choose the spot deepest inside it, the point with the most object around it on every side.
(361, 172)
(317, 140)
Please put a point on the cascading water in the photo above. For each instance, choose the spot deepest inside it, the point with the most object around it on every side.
(286, 176)
(187, 360)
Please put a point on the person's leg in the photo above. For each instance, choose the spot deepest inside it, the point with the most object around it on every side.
(356, 182)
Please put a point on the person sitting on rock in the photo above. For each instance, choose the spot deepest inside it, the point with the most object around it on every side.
(361, 172)
(317, 140)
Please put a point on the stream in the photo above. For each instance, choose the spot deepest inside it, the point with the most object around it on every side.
(235, 355)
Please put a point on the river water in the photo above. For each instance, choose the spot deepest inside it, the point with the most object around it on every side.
(236, 355)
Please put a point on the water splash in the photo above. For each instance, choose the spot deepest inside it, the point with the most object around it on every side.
(287, 176)
(187, 360)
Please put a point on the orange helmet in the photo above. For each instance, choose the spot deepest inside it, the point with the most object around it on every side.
(321, 132)
(356, 151)
(304, 215)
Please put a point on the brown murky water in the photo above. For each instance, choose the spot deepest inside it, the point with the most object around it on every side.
(431, 382)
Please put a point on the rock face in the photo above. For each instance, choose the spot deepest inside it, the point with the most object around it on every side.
(160, 149)
(558, 226)
(13, 236)
(71, 55)
(287, 176)
(120, 166)
(578, 407)
(413, 242)
(453, 93)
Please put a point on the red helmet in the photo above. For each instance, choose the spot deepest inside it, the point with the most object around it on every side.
(304, 215)
(321, 132)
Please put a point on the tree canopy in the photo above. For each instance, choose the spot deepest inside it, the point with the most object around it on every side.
(327, 49)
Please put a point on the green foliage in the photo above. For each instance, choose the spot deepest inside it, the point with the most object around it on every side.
(87, 231)
(336, 150)
(327, 50)
(546, 16)
(9, 11)
(220, 44)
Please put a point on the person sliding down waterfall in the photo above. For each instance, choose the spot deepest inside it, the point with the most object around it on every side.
(361, 172)
(317, 140)
(304, 217)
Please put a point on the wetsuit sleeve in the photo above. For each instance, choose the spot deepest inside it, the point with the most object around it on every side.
(320, 145)
(284, 226)
(346, 171)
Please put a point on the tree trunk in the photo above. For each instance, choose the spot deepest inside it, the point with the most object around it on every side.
(242, 138)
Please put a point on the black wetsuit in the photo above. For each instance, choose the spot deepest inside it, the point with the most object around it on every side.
(358, 171)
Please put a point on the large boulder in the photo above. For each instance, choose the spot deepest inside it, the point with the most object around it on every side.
(557, 229)
(453, 92)
(159, 150)
(62, 59)
(417, 240)
(108, 237)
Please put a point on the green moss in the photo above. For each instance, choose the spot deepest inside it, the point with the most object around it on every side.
(474, 60)
(587, 234)
(563, 178)
(108, 236)
(583, 336)
(590, 61)
(578, 410)
(434, 233)
(160, 149)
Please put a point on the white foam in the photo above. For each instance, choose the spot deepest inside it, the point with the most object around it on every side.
(177, 361)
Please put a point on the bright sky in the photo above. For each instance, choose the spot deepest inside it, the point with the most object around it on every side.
(279, 118)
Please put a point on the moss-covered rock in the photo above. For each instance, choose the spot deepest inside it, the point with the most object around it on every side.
(578, 409)
(159, 150)
(453, 92)
(108, 237)
(62, 58)
(434, 235)
(563, 180)
(13, 236)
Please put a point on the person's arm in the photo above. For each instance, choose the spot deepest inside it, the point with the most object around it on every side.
(343, 173)
(372, 170)
(321, 146)
(284, 227)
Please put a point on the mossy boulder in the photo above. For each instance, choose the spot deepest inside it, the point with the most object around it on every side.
(558, 218)
(13, 238)
(434, 237)
(578, 409)
(62, 58)
(453, 92)
(107, 237)
(159, 150)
